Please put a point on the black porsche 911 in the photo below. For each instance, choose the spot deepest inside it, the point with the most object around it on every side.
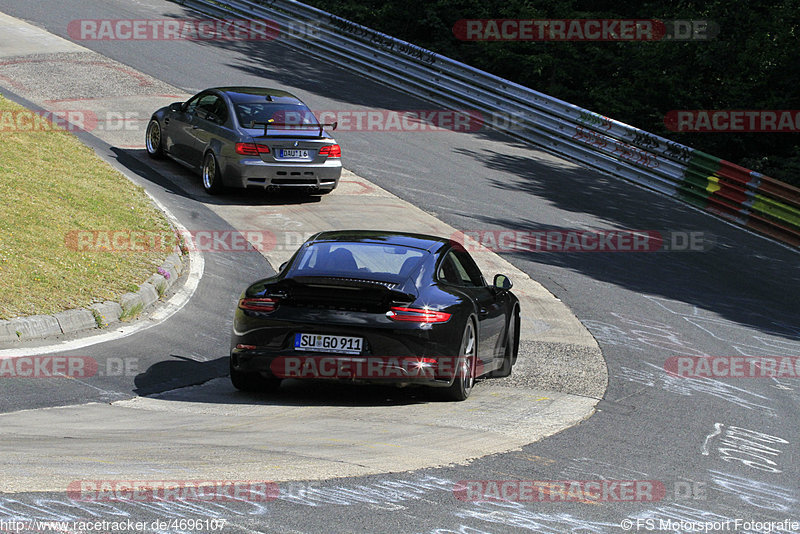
(376, 307)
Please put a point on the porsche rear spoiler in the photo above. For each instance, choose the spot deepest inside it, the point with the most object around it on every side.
(350, 288)
(272, 123)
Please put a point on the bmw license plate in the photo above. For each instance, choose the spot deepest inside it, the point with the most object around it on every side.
(287, 153)
(326, 343)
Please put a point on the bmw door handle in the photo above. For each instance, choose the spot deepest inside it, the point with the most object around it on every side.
(195, 127)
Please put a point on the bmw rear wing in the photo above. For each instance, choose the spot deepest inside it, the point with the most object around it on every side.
(272, 123)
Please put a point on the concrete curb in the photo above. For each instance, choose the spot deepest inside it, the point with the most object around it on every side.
(99, 315)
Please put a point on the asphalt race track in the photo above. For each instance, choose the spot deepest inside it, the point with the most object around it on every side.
(715, 450)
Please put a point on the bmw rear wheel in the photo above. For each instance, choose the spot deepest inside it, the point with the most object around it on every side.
(152, 140)
(212, 181)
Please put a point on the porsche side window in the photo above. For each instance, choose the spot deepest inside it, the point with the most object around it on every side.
(473, 272)
(452, 271)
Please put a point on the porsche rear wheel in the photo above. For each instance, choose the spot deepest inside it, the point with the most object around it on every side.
(253, 381)
(464, 380)
(512, 344)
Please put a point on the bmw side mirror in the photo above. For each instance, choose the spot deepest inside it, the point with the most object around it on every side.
(176, 106)
(502, 282)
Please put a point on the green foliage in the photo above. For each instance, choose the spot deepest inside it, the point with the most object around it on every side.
(132, 313)
(752, 64)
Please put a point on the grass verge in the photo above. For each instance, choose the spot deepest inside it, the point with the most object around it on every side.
(51, 185)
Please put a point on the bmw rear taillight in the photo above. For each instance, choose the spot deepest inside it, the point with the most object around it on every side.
(261, 304)
(332, 151)
(251, 149)
(417, 315)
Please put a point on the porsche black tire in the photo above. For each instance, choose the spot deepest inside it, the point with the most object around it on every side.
(464, 380)
(512, 345)
(253, 381)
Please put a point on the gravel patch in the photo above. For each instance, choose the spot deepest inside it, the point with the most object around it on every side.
(561, 367)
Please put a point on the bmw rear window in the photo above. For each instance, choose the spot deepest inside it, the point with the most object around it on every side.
(296, 116)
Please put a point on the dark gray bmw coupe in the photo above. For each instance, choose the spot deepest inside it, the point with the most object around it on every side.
(248, 137)
(379, 307)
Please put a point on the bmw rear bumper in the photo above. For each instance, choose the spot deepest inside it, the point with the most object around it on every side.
(255, 173)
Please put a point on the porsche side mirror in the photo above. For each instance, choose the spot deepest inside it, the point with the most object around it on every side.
(502, 282)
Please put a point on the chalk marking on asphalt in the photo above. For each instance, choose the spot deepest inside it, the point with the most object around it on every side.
(717, 432)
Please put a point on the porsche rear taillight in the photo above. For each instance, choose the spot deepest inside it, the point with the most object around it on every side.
(417, 315)
(332, 151)
(251, 149)
(261, 304)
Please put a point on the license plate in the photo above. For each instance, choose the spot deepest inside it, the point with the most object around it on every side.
(326, 343)
(286, 153)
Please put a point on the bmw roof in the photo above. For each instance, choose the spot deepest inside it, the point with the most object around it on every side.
(258, 94)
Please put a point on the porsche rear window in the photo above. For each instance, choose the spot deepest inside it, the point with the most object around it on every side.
(357, 259)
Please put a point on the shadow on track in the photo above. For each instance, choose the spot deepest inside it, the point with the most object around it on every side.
(171, 380)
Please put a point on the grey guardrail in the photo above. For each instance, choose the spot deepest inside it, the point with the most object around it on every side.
(722, 188)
